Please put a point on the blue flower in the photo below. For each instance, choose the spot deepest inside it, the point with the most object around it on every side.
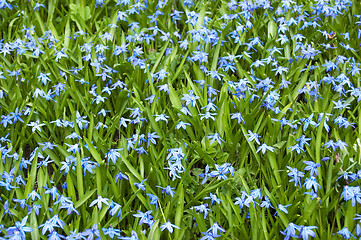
(345, 233)
(153, 200)
(283, 208)
(19, 229)
(214, 230)
(169, 226)
(92, 233)
(215, 137)
(47, 226)
(264, 148)
(311, 183)
(111, 232)
(80, 120)
(213, 198)
(69, 207)
(306, 232)
(253, 136)
(145, 217)
(16, 115)
(351, 193)
(121, 176)
(133, 237)
(203, 208)
(53, 192)
(205, 175)
(168, 190)
(33, 194)
(115, 208)
(312, 167)
(35, 125)
(161, 117)
(99, 201)
(190, 99)
(140, 185)
(60, 54)
(266, 203)
(296, 175)
(113, 154)
(290, 231)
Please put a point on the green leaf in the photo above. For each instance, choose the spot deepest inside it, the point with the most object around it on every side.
(84, 198)
(94, 152)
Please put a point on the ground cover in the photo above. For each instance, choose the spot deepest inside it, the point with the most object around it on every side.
(186, 119)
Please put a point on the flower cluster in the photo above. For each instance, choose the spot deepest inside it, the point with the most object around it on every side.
(122, 119)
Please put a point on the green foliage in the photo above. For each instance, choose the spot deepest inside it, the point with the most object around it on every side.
(93, 173)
